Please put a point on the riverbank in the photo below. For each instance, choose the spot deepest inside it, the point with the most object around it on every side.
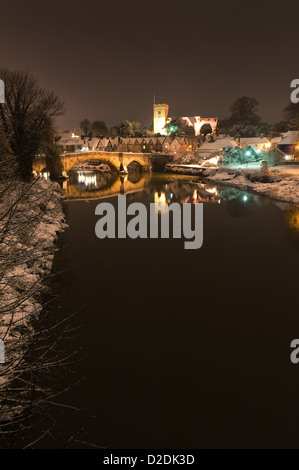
(280, 183)
(31, 217)
(276, 184)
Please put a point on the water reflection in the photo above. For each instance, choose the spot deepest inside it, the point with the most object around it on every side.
(163, 188)
(235, 267)
(90, 180)
(291, 213)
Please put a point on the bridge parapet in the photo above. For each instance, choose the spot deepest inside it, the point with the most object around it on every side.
(117, 159)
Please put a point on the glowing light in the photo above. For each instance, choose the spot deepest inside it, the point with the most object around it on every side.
(86, 179)
(245, 198)
(248, 153)
(268, 145)
(213, 161)
(45, 175)
(212, 190)
(159, 199)
(160, 203)
(293, 218)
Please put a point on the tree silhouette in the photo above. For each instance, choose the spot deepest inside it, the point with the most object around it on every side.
(25, 116)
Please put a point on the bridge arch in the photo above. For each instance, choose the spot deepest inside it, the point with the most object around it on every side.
(97, 161)
(134, 166)
(71, 160)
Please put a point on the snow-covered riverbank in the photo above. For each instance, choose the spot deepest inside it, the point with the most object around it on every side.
(279, 184)
(31, 217)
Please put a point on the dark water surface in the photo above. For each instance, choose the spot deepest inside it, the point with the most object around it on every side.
(183, 348)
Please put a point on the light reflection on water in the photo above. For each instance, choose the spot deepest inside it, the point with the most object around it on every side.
(164, 327)
(167, 188)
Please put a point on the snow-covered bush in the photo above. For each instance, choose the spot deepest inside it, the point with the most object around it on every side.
(232, 156)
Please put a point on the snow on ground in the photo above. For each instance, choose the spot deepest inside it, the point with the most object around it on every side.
(282, 182)
(289, 168)
(31, 236)
(284, 185)
(292, 169)
(31, 216)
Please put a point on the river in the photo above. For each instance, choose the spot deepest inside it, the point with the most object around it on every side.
(180, 348)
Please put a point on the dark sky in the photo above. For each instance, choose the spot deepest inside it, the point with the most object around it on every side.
(107, 59)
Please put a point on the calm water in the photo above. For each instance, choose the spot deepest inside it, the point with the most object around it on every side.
(182, 348)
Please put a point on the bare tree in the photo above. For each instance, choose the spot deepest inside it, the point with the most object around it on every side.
(25, 115)
(85, 127)
(99, 128)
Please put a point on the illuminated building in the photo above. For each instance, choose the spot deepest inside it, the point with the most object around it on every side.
(160, 118)
(197, 122)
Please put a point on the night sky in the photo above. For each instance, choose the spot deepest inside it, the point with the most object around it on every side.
(107, 59)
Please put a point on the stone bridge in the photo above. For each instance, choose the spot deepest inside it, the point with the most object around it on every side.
(115, 159)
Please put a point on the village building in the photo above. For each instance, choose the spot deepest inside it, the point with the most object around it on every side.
(289, 144)
(276, 156)
(148, 144)
(71, 141)
(161, 118)
(262, 143)
(208, 149)
(197, 122)
(71, 144)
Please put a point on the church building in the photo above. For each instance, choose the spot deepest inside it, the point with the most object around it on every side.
(161, 118)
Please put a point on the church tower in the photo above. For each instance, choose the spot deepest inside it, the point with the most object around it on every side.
(160, 118)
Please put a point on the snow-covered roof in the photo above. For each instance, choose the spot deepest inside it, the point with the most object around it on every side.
(194, 119)
(291, 138)
(217, 145)
(71, 141)
(276, 140)
(223, 136)
(100, 143)
(253, 140)
(207, 154)
(93, 142)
